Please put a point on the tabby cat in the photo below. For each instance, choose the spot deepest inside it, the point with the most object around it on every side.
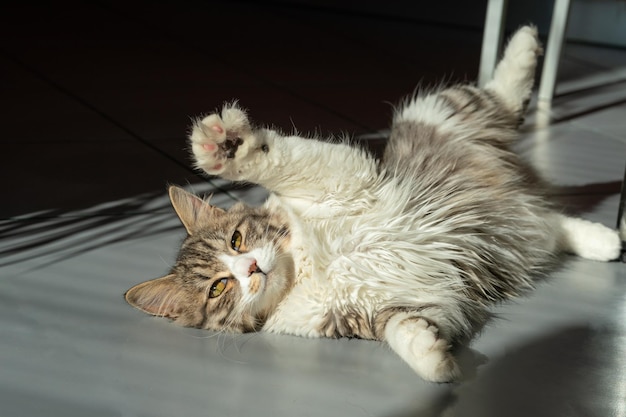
(411, 249)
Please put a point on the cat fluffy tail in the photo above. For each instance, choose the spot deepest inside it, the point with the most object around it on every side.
(514, 75)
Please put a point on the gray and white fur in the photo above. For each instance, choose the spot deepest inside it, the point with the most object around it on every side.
(410, 250)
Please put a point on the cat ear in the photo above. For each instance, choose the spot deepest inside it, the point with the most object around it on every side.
(193, 211)
(159, 297)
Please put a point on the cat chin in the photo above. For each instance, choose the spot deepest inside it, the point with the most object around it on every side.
(273, 285)
(277, 283)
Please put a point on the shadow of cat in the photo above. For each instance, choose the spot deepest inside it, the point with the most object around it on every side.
(568, 373)
(576, 200)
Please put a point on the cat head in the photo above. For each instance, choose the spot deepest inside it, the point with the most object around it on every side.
(232, 270)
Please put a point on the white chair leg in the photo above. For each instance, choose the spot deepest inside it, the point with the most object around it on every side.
(492, 39)
(621, 217)
(558, 28)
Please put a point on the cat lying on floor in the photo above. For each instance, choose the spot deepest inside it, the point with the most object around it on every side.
(410, 250)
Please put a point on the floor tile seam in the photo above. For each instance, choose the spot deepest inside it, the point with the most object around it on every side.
(567, 55)
(599, 131)
(543, 119)
(137, 138)
(589, 86)
(590, 43)
(86, 104)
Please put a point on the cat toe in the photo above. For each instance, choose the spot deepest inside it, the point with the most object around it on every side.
(604, 246)
(444, 369)
(432, 359)
(235, 118)
(207, 159)
(438, 365)
(213, 130)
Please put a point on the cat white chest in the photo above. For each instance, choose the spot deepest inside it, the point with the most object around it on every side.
(326, 280)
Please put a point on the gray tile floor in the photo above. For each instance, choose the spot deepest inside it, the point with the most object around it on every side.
(97, 99)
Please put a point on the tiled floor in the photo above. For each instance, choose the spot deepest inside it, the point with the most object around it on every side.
(97, 99)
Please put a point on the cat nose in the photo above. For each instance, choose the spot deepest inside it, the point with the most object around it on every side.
(254, 268)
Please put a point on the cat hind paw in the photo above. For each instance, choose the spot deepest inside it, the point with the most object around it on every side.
(601, 244)
(513, 77)
(434, 361)
(591, 240)
(524, 47)
(428, 354)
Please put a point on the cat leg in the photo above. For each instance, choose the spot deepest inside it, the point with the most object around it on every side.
(419, 343)
(514, 75)
(588, 239)
(490, 115)
(227, 145)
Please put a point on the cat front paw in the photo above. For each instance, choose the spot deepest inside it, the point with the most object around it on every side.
(216, 141)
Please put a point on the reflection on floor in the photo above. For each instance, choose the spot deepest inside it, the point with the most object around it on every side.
(98, 99)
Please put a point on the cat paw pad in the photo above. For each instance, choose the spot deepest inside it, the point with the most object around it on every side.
(215, 140)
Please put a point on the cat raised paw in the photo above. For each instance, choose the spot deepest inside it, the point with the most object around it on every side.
(216, 141)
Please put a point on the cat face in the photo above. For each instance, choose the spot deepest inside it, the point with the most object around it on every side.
(232, 270)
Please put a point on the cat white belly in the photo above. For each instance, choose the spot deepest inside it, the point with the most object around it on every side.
(359, 269)
(321, 285)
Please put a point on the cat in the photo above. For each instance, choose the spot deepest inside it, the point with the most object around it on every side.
(411, 249)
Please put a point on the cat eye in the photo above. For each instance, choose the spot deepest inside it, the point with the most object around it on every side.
(218, 288)
(236, 240)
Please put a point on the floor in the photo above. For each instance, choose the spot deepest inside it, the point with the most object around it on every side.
(97, 99)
